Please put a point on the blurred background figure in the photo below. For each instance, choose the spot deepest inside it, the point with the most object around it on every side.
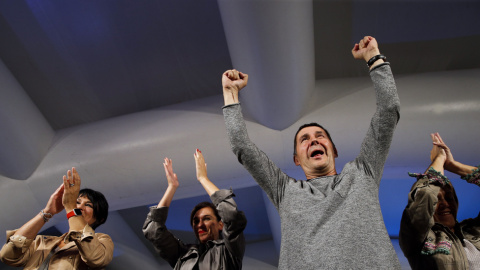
(430, 235)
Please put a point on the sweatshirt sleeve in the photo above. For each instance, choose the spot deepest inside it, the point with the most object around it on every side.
(375, 146)
(270, 178)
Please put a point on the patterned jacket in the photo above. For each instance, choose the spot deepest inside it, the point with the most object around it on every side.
(430, 245)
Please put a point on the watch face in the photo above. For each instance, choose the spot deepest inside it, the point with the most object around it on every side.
(77, 212)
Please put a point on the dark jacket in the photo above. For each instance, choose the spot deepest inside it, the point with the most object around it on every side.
(226, 253)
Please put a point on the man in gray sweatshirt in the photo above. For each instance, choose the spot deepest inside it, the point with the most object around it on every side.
(330, 220)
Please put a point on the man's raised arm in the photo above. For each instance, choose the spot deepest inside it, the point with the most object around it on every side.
(376, 144)
(270, 178)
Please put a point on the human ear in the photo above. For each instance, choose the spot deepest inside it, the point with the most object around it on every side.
(220, 225)
(295, 160)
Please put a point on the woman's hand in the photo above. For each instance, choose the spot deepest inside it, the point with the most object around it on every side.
(172, 184)
(54, 204)
(437, 152)
(200, 165)
(171, 176)
(71, 184)
(439, 142)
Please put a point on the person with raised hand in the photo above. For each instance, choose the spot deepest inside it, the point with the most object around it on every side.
(331, 220)
(79, 248)
(218, 226)
(430, 235)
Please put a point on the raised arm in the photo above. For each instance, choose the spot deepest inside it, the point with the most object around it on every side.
(172, 184)
(375, 146)
(72, 183)
(418, 216)
(154, 229)
(438, 155)
(53, 207)
(202, 177)
(19, 248)
(96, 250)
(270, 178)
(234, 221)
(233, 81)
(64, 195)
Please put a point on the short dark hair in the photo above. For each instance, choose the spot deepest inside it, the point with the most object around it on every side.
(203, 205)
(313, 124)
(100, 205)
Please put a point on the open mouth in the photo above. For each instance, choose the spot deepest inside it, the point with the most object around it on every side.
(317, 153)
(444, 213)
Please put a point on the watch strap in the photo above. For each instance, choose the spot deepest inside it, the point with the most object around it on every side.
(375, 58)
(73, 213)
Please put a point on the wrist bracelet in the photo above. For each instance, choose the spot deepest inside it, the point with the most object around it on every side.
(375, 58)
(46, 216)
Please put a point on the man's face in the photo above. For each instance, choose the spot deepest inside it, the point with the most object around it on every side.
(315, 152)
(206, 226)
(446, 210)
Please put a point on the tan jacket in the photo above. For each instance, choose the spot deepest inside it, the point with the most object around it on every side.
(83, 250)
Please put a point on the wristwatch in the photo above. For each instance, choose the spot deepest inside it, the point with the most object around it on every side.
(74, 212)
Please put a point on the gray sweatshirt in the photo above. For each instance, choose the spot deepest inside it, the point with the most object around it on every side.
(330, 222)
